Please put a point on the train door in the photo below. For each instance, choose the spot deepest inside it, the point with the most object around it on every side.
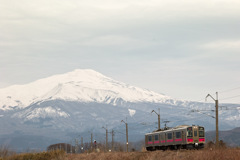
(156, 139)
(165, 139)
(201, 135)
(183, 137)
(160, 139)
(174, 137)
(146, 140)
(195, 134)
(149, 140)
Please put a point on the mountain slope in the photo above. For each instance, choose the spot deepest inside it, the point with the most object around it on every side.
(230, 137)
(79, 85)
(62, 107)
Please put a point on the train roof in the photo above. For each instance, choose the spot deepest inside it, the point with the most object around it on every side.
(172, 129)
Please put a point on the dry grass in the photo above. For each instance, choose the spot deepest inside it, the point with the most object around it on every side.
(5, 152)
(229, 154)
(53, 155)
(205, 154)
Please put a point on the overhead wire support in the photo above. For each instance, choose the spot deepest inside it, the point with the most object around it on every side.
(112, 140)
(126, 133)
(91, 141)
(106, 137)
(216, 107)
(166, 124)
(81, 144)
(158, 117)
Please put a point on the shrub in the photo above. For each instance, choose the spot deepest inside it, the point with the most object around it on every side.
(5, 152)
(52, 155)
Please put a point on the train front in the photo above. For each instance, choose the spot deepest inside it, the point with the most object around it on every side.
(195, 137)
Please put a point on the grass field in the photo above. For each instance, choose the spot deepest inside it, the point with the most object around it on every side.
(205, 154)
(222, 154)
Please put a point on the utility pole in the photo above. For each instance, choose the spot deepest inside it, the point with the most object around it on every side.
(91, 141)
(71, 147)
(82, 144)
(66, 147)
(106, 138)
(126, 133)
(112, 139)
(76, 145)
(216, 107)
(158, 117)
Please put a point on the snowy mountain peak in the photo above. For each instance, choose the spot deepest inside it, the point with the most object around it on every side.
(83, 85)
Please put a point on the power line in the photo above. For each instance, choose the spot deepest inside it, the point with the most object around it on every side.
(150, 124)
(230, 108)
(138, 126)
(200, 100)
(199, 111)
(119, 132)
(184, 120)
(228, 90)
(143, 117)
(230, 97)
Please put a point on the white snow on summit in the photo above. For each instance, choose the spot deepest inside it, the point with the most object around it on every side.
(82, 85)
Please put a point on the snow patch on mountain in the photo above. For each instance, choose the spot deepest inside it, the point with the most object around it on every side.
(131, 112)
(233, 118)
(82, 85)
(93, 114)
(47, 112)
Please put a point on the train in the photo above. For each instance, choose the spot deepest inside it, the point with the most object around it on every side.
(180, 137)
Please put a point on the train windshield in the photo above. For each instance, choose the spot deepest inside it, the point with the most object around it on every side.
(201, 132)
(189, 132)
(150, 138)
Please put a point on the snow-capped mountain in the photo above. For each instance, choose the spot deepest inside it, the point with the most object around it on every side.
(79, 85)
(61, 107)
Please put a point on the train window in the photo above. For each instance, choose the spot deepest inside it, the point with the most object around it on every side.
(149, 138)
(189, 132)
(195, 133)
(169, 135)
(201, 132)
(156, 138)
(178, 135)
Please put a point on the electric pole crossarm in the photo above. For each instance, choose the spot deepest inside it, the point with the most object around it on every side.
(154, 112)
(209, 96)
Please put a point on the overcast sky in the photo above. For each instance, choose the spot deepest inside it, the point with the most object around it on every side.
(182, 48)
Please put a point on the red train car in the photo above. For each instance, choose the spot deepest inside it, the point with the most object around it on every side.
(180, 137)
